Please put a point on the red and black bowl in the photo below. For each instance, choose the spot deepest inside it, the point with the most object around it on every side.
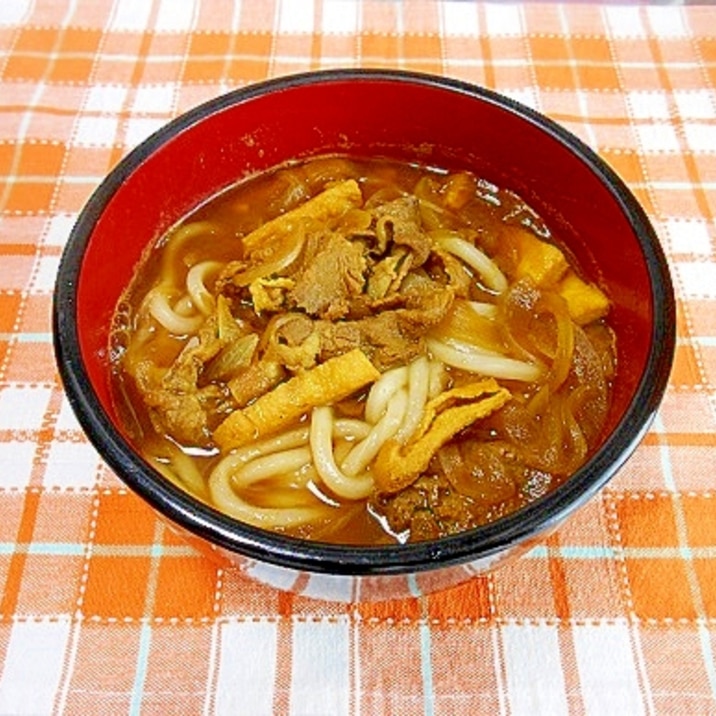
(399, 115)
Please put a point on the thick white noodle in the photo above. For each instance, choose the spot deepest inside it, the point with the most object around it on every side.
(437, 380)
(288, 454)
(362, 454)
(277, 463)
(159, 307)
(188, 231)
(418, 386)
(491, 275)
(486, 310)
(283, 441)
(185, 307)
(382, 391)
(350, 428)
(321, 439)
(300, 478)
(341, 448)
(176, 240)
(182, 469)
(237, 468)
(196, 279)
(472, 359)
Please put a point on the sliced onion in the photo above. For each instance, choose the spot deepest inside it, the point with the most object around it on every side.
(487, 269)
(473, 360)
(288, 252)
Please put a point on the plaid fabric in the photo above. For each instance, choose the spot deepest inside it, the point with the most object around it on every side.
(105, 611)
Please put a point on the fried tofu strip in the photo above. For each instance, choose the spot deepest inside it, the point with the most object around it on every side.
(398, 466)
(585, 301)
(329, 204)
(328, 382)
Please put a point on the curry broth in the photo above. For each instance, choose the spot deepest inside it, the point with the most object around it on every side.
(485, 469)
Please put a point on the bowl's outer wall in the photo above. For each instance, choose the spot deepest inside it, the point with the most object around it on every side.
(414, 122)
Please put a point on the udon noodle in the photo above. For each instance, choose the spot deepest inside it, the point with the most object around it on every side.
(363, 351)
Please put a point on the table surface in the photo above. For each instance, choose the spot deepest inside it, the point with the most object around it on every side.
(104, 611)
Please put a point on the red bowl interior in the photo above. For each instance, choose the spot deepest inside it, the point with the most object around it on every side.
(244, 133)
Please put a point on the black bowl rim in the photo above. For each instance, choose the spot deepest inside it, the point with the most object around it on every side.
(254, 543)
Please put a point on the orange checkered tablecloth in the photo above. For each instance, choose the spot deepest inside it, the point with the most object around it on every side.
(104, 611)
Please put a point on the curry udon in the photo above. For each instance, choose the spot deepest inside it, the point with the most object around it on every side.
(363, 351)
